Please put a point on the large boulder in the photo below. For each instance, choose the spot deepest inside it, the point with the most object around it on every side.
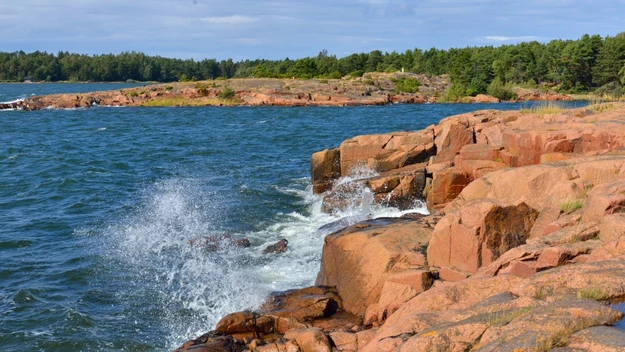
(446, 185)
(325, 167)
(539, 186)
(309, 340)
(478, 234)
(360, 259)
(604, 200)
(303, 304)
(451, 138)
(385, 152)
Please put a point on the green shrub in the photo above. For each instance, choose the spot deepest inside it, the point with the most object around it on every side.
(612, 89)
(202, 89)
(333, 75)
(477, 86)
(357, 73)
(497, 89)
(455, 93)
(407, 85)
(168, 88)
(227, 93)
(369, 82)
(134, 94)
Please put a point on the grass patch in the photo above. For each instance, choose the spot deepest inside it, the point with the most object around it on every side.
(542, 292)
(570, 206)
(549, 108)
(600, 105)
(133, 94)
(595, 294)
(505, 318)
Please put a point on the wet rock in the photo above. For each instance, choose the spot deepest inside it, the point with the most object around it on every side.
(325, 167)
(303, 304)
(215, 243)
(344, 341)
(288, 346)
(248, 323)
(309, 340)
(214, 341)
(278, 247)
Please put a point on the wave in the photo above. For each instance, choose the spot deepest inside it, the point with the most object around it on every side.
(192, 288)
(12, 101)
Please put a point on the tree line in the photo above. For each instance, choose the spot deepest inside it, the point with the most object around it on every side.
(572, 65)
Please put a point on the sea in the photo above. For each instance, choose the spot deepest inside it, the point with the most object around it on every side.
(101, 210)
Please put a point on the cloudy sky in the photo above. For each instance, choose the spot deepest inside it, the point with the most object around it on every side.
(275, 29)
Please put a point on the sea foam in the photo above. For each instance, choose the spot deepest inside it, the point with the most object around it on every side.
(192, 288)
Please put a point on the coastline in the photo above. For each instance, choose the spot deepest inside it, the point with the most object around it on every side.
(524, 248)
(371, 89)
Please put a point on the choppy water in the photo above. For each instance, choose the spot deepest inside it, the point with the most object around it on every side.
(97, 208)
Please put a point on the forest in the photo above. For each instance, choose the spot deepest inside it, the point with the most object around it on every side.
(573, 66)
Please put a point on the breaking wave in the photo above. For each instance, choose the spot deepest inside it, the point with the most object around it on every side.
(189, 286)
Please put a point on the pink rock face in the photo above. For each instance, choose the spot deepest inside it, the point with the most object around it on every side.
(478, 234)
(483, 98)
(604, 200)
(480, 152)
(613, 228)
(325, 166)
(386, 151)
(360, 259)
(450, 138)
(446, 186)
(538, 185)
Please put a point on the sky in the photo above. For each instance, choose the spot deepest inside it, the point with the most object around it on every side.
(276, 29)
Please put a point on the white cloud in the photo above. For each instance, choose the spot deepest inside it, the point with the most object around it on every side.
(234, 20)
(498, 38)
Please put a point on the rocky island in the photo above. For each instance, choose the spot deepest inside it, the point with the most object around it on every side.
(371, 89)
(523, 249)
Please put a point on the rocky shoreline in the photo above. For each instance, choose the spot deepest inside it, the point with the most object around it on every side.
(524, 249)
(371, 89)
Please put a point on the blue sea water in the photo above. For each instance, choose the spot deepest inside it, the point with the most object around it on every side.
(97, 208)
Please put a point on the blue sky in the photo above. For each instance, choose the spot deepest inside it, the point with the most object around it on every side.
(275, 29)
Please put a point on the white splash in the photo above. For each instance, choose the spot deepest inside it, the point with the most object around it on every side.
(195, 288)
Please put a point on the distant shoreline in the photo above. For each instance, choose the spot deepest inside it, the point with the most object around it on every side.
(371, 89)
